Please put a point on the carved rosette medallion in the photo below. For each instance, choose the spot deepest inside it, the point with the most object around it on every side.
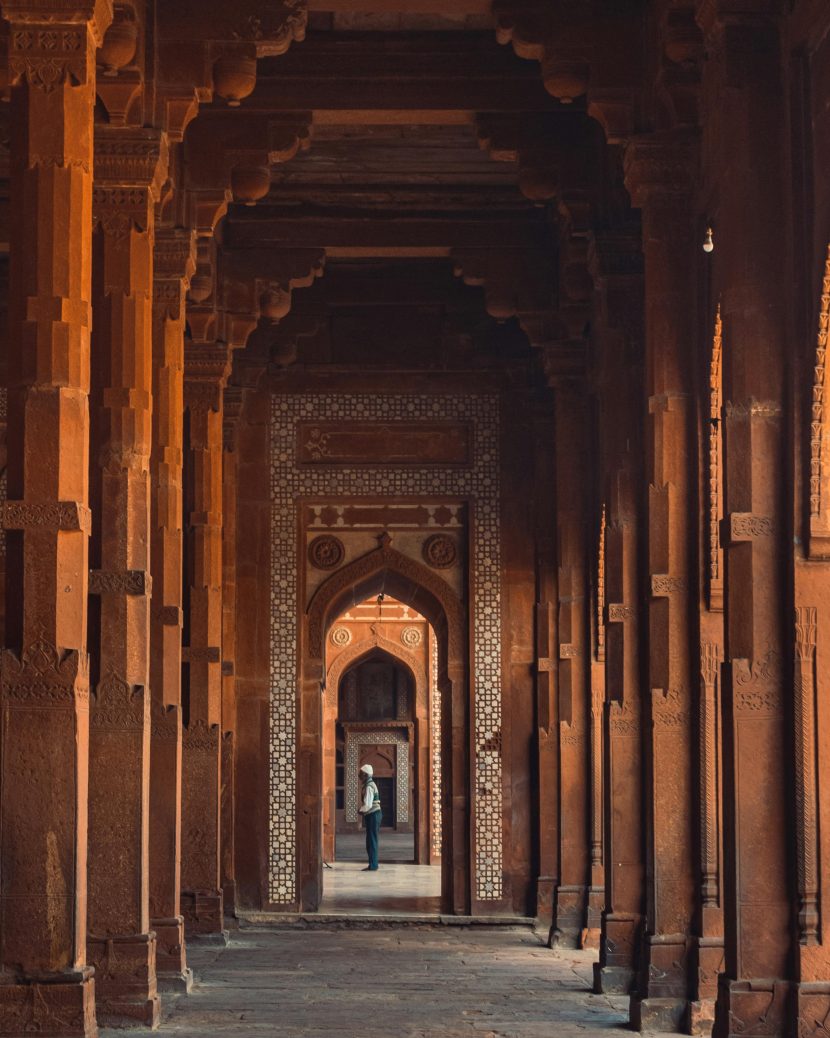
(340, 636)
(411, 637)
(439, 551)
(326, 552)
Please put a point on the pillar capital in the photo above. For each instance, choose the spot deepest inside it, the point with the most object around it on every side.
(30, 51)
(130, 167)
(659, 168)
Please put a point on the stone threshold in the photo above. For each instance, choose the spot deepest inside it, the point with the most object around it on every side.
(354, 920)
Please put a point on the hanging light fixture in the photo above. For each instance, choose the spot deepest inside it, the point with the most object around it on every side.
(708, 241)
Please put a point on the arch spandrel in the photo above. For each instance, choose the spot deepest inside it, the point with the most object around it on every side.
(361, 650)
(388, 570)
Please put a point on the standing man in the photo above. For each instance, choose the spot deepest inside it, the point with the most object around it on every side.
(370, 809)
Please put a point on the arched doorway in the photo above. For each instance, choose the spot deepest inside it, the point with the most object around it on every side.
(387, 571)
(381, 699)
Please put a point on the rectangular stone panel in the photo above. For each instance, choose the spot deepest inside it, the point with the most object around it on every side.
(383, 443)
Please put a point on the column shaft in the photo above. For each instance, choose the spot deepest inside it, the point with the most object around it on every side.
(174, 264)
(45, 983)
(658, 175)
(202, 903)
(572, 651)
(745, 95)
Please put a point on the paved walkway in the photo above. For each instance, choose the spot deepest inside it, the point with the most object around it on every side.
(393, 890)
(435, 982)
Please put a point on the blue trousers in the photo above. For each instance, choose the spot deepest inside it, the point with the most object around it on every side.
(372, 823)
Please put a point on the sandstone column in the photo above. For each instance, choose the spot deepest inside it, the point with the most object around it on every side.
(745, 98)
(206, 368)
(231, 408)
(572, 489)
(596, 892)
(45, 984)
(619, 331)
(547, 743)
(658, 175)
(174, 264)
(129, 166)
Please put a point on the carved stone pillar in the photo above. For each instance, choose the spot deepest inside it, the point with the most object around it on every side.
(206, 367)
(596, 892)
(746, 103)
(658, 176)
(616, 262)
(232, 405)
(45, 983)
(129, 166)
(546, 672)
(174, 265)
(572, 491)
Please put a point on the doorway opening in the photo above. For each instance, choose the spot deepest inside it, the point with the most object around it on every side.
(386, 645)
(382, 708)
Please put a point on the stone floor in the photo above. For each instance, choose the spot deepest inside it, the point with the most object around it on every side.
(398, 848)
(399, 890)
(411, 982)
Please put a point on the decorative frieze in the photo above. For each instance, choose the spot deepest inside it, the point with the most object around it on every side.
(128, 582)
(52, 515)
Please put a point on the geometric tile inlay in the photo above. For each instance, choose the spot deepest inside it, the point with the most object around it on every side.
(479, 483)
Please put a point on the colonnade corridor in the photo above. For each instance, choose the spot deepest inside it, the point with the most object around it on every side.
(436, 388)
(436, 982)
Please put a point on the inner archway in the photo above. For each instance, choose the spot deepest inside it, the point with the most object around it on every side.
(387, 572)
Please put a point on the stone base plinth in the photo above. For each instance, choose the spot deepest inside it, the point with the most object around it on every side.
(613, 980)
(753, 1010)
(545, 887)
(172, 973)
(812, 1006)
(589, 938)
(126, 994)
(701, 1016)
(658, 1015)
(203, 912)
(568, 916)
(60, 1005)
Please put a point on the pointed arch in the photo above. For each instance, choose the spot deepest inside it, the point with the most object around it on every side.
(387, 570)
(356, 653)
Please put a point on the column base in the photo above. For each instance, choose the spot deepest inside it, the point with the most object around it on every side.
(702, 1016)
(658, 1015)
(569, 912)
(203, 913)
(613, 980)
(812, 1005)
(752, 1009)
(57, 1006)
(126, 994)
(545, 887)
(589, 938)
(172, 973)
(615, 973)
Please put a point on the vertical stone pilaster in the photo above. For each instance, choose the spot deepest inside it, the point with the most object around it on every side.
(129, 168)
(616, 263)
(44, 683)
(174, 264)
(206, 368)
(596, 892)
(232, 406)
(573, 655)
(659, 173)
(746, 105)
(547, 727)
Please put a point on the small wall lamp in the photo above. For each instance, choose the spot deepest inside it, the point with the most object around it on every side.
(708, 241)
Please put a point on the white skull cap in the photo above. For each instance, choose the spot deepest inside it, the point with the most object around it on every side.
(368, 769)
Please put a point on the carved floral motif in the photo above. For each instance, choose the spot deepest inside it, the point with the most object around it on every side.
(411, 636)
(326, 552)
(340, 636)
(439, 551)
